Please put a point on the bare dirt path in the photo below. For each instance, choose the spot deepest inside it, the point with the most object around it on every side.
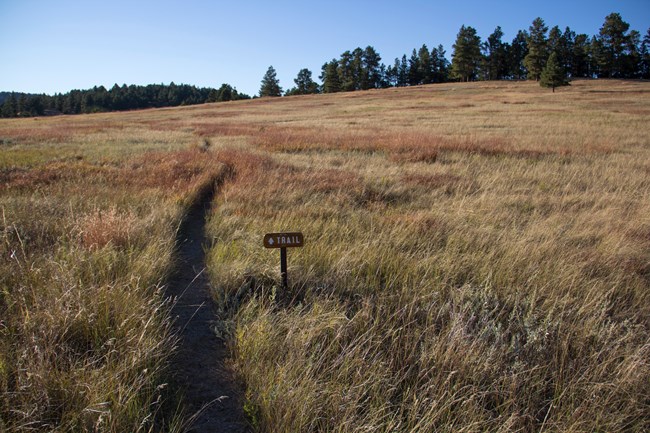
(198, 368)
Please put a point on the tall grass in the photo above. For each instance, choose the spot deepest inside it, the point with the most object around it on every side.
(85, 332)
(499, 290)
(477, 259)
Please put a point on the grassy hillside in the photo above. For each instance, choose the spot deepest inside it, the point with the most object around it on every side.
(90, 207)
(477, 258)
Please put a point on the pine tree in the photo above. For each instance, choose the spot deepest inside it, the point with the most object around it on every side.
(553, 75)
(537, 49)
(357, 71)
(631, 59)
(598, 58)
(614, 39)
(467, 54)
(403, 72)
(270, 84)
(425, 65)
(567, 42)
(580, 56)
(392, 74)
(383, 77)
(414, 77)
(346, 72)
(495, 62)
(372, 75)
(9, 107)
(440, 65)
(644, 51)
(561, 44)
(304, 83)
(554, 40)
(330, 77)
(516, 55)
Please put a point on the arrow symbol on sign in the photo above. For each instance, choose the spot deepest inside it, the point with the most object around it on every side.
(271, 241)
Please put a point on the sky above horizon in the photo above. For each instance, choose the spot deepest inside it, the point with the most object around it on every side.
(53, 47)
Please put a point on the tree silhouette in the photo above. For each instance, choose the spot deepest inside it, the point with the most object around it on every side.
(467, 54)
(537, 49)
(270, 84)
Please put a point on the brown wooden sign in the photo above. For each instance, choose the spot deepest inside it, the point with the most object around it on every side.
(283, 240)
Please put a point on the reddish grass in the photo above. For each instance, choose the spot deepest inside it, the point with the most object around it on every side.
(175, 171)
(22, 178)
(228, 130)
(431, 181)
(251, 168)
(400, 146)
(101, 228)
(42, 132)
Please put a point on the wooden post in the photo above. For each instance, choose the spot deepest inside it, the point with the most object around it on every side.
(283, 268)
(284, 241)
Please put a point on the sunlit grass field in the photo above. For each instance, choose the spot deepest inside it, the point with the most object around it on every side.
(477, 258)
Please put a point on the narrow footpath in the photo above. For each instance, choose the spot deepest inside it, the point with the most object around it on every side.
(209, 390)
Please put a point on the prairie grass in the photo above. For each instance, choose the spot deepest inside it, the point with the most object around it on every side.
(477, 258)
(86, 241)
(499, 284)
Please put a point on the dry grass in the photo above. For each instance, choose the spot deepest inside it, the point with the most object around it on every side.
(86, 245)
(500, 285)
(477, 258)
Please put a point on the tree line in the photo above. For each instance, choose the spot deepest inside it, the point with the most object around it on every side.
(551, 56)
(118, 98)
(615, 52)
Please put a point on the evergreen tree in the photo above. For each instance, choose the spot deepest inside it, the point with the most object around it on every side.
(562, 44)
(613, 44)
(403, 73)
(225, 93)
(467, 54)
(537, 49)
(346, 72)
(580, 56)
(330, 77)
(440, 65)
(597, 58)
(426, 65)
(356, 68)
(9, 107)
(304, 83)
(554, 41)
(565, 49)
(102, 98)
(270, 84)
(372, 75)
(383, 77)
(644, 52)
(631, 59)
(553, 75)
(516, 55)
(20, 108)
(33, 105)
(495, 61)
(392, 73)
(414, 77)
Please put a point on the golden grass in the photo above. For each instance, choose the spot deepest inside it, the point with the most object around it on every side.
(84, 329)
(501, 285)
(477, 257)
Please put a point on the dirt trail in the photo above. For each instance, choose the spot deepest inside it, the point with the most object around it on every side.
(199, 368)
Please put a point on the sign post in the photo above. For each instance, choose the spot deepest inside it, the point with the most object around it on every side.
(284, 241)
(283, 267)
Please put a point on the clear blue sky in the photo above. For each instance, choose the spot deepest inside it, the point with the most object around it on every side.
(51, 46)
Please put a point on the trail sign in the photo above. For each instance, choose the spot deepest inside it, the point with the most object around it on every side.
(283, 241)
